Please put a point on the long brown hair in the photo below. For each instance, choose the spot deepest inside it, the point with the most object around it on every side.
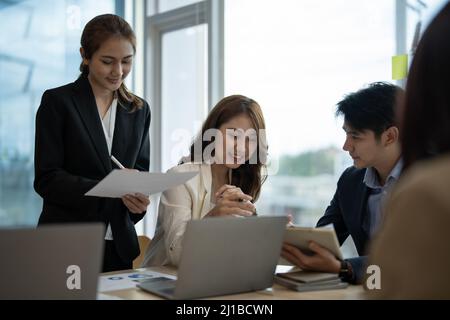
(97, 31)
(425, 114)
(249, 176)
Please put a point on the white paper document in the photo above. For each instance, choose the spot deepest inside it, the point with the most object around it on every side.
(122, 281)
(121, 182)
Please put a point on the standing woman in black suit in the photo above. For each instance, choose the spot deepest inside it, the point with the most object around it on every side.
(79, 127)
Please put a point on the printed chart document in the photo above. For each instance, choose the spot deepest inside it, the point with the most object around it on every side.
(121, 182)
(122, 281)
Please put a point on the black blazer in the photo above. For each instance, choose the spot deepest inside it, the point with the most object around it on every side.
(71, 156)
(348, 213)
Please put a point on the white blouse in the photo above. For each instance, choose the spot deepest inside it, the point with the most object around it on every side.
(179, 205)
(108, 123)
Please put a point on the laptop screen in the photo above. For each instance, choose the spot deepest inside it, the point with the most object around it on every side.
(228, 255)
(51, 262)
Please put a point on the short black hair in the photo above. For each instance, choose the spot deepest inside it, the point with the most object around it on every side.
(371, 108)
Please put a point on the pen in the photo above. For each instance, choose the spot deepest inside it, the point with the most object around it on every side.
(117, 162)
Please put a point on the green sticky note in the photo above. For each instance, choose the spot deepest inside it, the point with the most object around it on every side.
(399, 67)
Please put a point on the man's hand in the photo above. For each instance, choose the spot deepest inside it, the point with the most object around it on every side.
(230, 200)
(322, 260)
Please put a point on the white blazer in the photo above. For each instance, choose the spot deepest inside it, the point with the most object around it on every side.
(191, 200)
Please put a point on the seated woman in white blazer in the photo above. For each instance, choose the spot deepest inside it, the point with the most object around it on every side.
(230, 155)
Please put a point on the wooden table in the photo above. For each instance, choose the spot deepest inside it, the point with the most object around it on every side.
(277, 292)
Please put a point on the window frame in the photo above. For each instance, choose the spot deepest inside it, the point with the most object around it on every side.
(209, 12)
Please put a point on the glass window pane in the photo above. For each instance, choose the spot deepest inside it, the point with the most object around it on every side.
(424, 14)
(166, 5)
(184, 90)
(298, 60)
(39, 49)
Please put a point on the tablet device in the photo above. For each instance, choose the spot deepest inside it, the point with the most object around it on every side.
(301, 236)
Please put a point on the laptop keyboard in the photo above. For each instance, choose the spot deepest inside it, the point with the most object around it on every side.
(167, 291)
(159, 280)
(159, 285)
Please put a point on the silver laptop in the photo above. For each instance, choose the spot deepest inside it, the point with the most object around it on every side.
(223, 256)
(51, 262)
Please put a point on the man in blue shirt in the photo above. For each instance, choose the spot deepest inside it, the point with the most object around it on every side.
(356, 208)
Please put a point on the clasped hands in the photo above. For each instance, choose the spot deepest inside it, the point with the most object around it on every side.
(230, 200)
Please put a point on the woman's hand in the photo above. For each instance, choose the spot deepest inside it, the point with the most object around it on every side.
(136, 203)
(230, 200)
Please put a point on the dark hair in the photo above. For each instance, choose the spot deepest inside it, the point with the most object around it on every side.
(371, 108)
(97, 31)
(425, 114)
(249, 176)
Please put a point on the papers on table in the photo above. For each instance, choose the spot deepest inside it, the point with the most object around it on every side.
(284, 268)
(303, 287)
(310, 281)
(122, 281)
(121, 182)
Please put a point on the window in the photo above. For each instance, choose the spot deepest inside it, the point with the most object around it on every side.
(167, 5)
(298, 59)
(180, 83)
(184, 90)
(39, 49)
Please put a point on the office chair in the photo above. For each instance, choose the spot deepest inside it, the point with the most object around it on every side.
(144, 241)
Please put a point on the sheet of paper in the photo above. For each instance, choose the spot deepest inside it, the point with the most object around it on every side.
(122, 281)
(399, 67)
(121, 182)
(284, 268)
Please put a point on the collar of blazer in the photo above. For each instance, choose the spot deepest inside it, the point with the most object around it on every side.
(359, 194)
(206, 177)
(84, 101)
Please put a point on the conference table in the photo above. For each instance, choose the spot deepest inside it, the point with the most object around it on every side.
(276, 292)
